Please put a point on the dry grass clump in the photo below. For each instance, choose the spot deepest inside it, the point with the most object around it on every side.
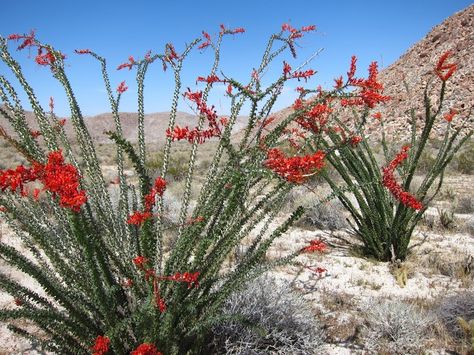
(453, 307)
(395, 327)
(267, 317)
(465, 205)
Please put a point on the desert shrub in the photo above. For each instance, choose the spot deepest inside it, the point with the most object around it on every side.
(465, 161)
(395, 327)
(452, 307)
(328, 216)
(469, 226)
(112, 283)
(465, 205)
(427, 160)
(270, 318)
(446, 218)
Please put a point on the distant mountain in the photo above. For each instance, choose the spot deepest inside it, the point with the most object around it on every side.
(155, 125)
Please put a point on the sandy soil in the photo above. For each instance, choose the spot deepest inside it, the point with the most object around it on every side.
(348, 280)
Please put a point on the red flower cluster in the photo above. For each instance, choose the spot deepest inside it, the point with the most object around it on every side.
(317, 270)
(294, 169)
(198, 219)
(44, 56)
(314, 245)
(57, 177)
(450, 115)
(303, 74)
(62, 180)
(313, 119)
(47, 58)
(231, 32)
(158, 189)
(101, 346)
(371, 90)
(190, 278)
(377, 115)
(138, 217)
(129, 65)
(391, 184)
(207, 42)
(443, 66)
(140, 261)
(195, 134)
(170, 52)
(122, 88)
(211, 79)
(82, 51)
(28, 40)
(297, 33)
(146, 349)
(355, 140)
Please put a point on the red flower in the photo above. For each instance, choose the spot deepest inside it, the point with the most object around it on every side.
(303, 75)
(377, 116)
(140, 261)
(190, 278)
(352, 70)
(210, 79)
(450, 115)
(339, 83)
(29, 40)
(355, 140)
(101, 345)
(146, 349)
(51, 103)
(35, 134)
(36, 193)
(82, 51)
(294, 169)
(207, 42)
(47, 58)
(139, 218)
(129, 65)
(171, 54)
(198, 219)
(286, 69)
(318, 270)
(289, 28)
(3, 209)
(14, 179)
(127, 283)
(157, 189)
(442, 66)
(308, 28)
(18, 302)
(122, 88)
(63, 181)
(391, 184)
(314, 245)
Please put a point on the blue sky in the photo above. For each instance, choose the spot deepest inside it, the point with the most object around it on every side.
(372, 30)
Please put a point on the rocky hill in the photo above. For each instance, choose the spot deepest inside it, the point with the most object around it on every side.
(415, 67)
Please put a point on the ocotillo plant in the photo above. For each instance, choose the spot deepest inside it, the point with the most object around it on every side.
(384, 212)
(111, 283)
